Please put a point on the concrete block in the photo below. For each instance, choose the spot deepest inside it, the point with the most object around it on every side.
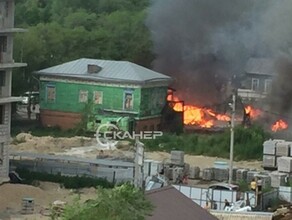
(177, 172)
(283, 149)
(221, 174)
(285, 164)
(270, 146)
(269, 161)
(194, 173)
(241, 175)
(177, 158)
(266, 180)
(187, 168)
(277, 179)
(208, 174)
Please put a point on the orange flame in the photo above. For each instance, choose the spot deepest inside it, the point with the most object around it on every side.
(194, 115)
(279, 125)
(254, 113)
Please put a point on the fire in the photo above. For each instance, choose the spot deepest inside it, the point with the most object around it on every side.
(253, 113)
(279, 125)
(194, 115)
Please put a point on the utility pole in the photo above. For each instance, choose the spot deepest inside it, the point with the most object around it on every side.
(232, 138)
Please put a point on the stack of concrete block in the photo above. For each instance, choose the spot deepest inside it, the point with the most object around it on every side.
(241, 175)
(285, 164)
(277, 179)
(269, 153)
(208, 174)
(177, 158)
(234, 171)
(169, 172)
(187, 168)
(177, 172)
(221, 174)
(194, 173)
(251, 175)
(266, 180)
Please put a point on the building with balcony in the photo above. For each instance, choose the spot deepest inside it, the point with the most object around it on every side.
(7, 64)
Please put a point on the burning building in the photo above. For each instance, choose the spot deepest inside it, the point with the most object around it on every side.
(205, 49)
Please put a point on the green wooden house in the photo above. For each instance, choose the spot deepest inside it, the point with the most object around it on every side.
(102, 91)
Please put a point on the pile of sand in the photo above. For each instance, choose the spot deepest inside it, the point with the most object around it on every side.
(47, 144)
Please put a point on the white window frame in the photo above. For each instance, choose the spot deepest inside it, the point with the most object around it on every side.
(257, 84)
(268, 82)
(52, 97)
(83, 96)
(100, 97)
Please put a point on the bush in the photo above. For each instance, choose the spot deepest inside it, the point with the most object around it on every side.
(69, 182)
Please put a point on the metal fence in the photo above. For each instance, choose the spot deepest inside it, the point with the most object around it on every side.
(112, 170)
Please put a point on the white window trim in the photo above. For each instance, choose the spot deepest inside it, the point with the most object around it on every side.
(258, 84)
(266, 85)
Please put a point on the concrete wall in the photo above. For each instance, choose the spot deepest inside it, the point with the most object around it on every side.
(6, 22)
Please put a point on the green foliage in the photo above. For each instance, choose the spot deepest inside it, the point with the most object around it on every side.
(61, 31)
(124, 202)
(243, 186)
(70, 182)
(247, 143)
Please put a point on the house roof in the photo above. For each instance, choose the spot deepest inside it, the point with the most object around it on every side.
(170, 204)
(113, 71)
(261, 66)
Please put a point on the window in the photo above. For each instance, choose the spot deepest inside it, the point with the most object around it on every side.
(2, 78)
(2, 114)
(268, 85)
(51, 93)
(255, 84)
(97, 97)
(1, 153)
(128, 100)
(3, 44)
(83, 96)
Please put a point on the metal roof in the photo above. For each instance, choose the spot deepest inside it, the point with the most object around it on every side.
(171, 204)
(261, 66)
(117, 71)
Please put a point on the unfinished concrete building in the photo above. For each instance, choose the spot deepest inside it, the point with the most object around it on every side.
(7, 63)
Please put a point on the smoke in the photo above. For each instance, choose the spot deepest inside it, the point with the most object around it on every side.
(203, 44)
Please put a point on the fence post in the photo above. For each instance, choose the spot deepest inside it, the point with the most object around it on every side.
(114, 177)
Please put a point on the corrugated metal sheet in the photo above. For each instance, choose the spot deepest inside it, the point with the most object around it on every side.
(110, 71)
(261, 66)
(221, 215)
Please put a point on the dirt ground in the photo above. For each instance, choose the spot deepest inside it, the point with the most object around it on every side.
(44, 195)
(88, 147)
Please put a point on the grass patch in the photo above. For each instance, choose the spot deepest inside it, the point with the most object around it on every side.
(247, 143)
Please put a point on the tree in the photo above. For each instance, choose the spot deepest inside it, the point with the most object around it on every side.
(124, 202)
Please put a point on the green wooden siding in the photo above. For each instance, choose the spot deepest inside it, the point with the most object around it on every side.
(152, 101)
(67, 97)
